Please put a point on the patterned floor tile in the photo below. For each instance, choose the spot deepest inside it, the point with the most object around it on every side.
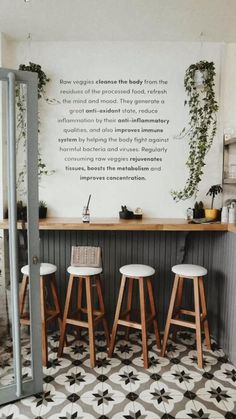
(197, 409)
(173, 387)
(219, 395)
(102, 399)
(82, 411)
(226, 374)
(51, 410)
(220, 410)
(143, 407)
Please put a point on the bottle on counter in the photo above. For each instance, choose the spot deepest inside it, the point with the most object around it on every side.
(225, 215)
(232, 213)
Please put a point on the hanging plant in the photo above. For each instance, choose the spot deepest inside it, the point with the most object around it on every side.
(202, 125)
(22, 121)
(42, 78)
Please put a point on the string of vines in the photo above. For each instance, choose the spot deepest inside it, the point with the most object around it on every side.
(203, 108)
(21, 95)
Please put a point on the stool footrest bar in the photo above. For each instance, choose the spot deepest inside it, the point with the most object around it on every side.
(134, 325)
(183, 323)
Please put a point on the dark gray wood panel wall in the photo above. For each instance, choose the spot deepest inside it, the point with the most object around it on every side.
(162, 250)
(225, 268)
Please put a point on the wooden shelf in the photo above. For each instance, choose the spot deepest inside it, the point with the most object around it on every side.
(230, 141)
(229, 181)
(115, 224)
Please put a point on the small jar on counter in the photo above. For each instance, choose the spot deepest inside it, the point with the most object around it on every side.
(86, 215)
(189, 214)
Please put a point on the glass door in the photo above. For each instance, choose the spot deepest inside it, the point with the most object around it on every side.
(20, 345)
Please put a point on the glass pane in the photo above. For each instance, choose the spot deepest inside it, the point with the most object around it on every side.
(6, 347)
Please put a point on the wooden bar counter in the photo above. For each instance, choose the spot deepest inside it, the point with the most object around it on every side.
(115, 224)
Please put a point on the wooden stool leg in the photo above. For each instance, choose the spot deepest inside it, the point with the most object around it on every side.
(178, 304)
(53, 284)
(102, 308)
(204, 313)
(143, 322)
(79, 303)
(153, 311)
(170, 313)
(198, 322)
(117, 315)
(23, 292)
(65, 315)
(43, 322)
(90, 321)
(55, 296)
(129, 304)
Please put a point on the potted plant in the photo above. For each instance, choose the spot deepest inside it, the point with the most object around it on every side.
(198, 211)
(213, 192)
(201, 131)
(42, 209)
(21, 211)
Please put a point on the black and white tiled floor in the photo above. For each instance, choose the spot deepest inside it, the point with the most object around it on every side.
(172, 387)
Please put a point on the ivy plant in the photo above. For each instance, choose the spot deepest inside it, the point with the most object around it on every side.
(201, 130)
(22, 122)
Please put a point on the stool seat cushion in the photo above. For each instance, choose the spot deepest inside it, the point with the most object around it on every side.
(45, 269)
(83, 271)
(187, 270)
(136, 271)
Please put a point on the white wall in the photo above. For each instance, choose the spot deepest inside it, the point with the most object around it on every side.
(64, 192)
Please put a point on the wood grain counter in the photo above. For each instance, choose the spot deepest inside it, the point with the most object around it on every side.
(115, 224)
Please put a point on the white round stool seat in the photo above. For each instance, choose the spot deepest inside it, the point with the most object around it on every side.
(45, 269)
(136, 271)
(83, 271)
(187, 270)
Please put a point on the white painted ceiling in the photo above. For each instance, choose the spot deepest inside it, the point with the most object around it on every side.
(119, 20)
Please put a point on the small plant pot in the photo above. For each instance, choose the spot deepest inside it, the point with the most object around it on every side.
(198, 213)
(42, 212)
(22, 213)
(211, 213)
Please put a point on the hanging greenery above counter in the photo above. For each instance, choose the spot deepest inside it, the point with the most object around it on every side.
(21, 95)
(199, 83)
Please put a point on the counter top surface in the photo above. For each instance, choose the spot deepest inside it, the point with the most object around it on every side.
(115, 224)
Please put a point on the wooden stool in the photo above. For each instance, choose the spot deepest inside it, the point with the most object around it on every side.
(195, 273)
(143, 274)
(47, 277)
(87, 275)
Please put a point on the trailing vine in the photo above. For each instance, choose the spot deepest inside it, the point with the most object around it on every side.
(22, 121)
(202, 125)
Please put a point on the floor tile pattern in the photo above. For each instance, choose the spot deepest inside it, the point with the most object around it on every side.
(172, 387)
